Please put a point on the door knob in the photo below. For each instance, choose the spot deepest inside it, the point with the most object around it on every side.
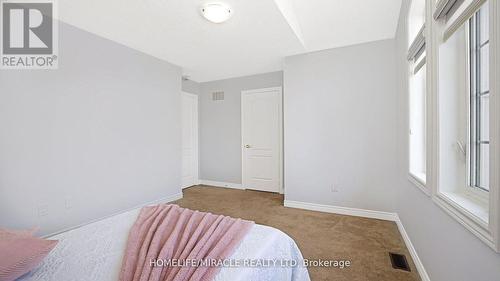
(247, 146)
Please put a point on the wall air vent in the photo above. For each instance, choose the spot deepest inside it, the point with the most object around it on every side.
(218, 96)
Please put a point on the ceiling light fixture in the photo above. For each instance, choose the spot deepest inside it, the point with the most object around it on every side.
(216, 12)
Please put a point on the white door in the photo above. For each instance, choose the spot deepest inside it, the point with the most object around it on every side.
(261, 118)
(189, 110)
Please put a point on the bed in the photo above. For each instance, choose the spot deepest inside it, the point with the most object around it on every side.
(94, 252)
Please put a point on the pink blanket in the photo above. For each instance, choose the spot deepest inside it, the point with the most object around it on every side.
(171, 233)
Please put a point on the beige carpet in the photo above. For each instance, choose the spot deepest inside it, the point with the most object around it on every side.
(365, 242)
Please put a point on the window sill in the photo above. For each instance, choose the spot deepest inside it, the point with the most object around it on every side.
(475, 207)
(419, 182)
(468, 211)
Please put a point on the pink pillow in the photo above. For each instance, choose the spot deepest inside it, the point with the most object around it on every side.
(21, 253)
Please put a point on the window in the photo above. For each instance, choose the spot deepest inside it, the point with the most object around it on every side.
(463, 116)
(466, 139)
(478, 157)
(418, 122)
(417, 93)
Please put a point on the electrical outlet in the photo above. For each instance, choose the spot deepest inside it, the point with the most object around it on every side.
(43, 210)
(335, 188)
(68, 202)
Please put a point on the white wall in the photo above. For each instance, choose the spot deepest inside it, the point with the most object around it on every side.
(340, 119)
(101, 133)
(448, 251)
(190, 86)
(220, 125)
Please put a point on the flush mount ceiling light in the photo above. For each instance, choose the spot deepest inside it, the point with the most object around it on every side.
(216, 12)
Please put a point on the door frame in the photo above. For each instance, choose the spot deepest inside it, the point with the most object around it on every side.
(196, 176)
(280, 150)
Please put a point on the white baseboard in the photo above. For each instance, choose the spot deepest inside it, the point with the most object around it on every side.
(222, 184)
(165, 199)
(367, 214)
(416, 260)
(342, 210)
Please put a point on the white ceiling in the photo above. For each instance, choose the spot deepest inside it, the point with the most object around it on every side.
(255, 40)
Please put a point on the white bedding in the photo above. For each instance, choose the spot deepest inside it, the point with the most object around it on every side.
(94, 252)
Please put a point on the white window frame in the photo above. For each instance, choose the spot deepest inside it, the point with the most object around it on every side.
(477, 193)
(488, 232)
(475, 95)
(416, 180)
